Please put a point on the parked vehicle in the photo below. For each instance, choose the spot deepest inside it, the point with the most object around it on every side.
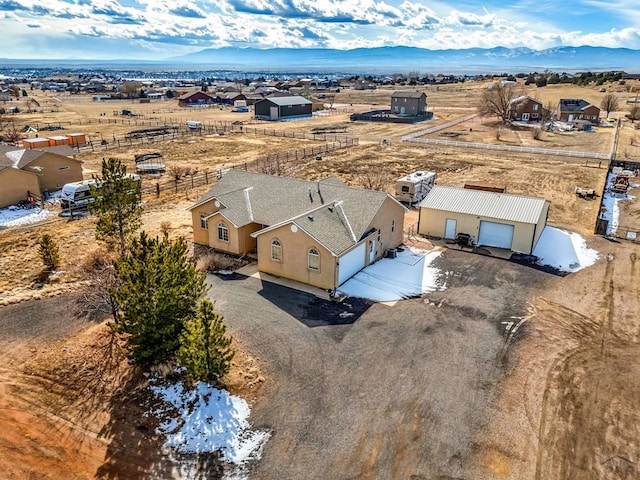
(414, 187)
(77, 195)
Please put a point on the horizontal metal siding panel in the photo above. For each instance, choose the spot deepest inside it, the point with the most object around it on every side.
(487, 204)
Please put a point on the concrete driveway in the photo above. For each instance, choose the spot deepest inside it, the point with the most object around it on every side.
(364, 390)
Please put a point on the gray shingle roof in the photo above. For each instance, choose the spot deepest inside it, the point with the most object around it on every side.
(338, 212)
(502, 206)
(290, 100)
(407, 94)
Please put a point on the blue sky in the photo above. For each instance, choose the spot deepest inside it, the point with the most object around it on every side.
(157, 29)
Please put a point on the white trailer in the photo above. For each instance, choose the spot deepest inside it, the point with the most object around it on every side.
(414, 187)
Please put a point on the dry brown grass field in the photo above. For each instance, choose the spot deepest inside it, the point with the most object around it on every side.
(545, 406)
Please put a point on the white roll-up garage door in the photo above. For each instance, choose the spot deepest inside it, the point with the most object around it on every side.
(351, 263)
(494, 234)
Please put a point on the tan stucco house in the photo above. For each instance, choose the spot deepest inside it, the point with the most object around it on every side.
(319, 233)
(42, 169)
(501, 220)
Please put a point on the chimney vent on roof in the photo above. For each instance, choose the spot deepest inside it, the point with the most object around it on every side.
(310, 195)
(310, 217)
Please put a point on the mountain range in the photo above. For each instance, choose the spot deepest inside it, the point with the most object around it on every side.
(378, 60)
(391, 59)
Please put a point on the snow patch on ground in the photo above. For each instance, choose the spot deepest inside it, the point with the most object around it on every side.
(566, 251)
(14, 216)
(611, 201)
(410, 274)
(208, 420)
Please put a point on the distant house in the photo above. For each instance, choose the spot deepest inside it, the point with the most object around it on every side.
(320, 233)
(572, 109)
(409, 103)
(500, 220)
(25, 171)
(283, 108)
(526, 109)
(230, 97)
(196, 98)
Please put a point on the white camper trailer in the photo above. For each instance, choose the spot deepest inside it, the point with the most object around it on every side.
(414, 187)
(194, 125)
(77, 195)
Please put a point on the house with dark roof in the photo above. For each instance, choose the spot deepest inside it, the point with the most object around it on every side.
(32, 171)
(319, 233)
(197, 98)
(409, 103)
(526, 109)
(572, 109)
(283, 108)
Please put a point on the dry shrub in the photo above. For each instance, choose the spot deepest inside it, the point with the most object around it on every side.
(212, 261)
(165, 227)
(97, 260)
(536, 133)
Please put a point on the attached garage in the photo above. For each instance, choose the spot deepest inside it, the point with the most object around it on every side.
(492, 219)
(351, 263)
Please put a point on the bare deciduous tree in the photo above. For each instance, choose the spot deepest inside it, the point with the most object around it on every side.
(496, 101)
(609, 103)
(374, 178)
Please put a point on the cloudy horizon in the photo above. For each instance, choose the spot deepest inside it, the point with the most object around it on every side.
(160, 29)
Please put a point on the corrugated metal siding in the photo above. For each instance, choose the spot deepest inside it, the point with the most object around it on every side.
(432, 223)
(500, 206)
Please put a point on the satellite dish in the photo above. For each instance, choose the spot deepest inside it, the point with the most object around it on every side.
(294, 228)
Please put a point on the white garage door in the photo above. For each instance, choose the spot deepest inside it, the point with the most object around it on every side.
(495, 234)
(351, 263)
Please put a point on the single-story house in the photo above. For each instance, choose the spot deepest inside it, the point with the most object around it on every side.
(492, 219)
(526, 109)
(320, 233)
(283, 108)
(196, 98)
(571, 109)
(409, 103)
(53, 168)
(230, 97)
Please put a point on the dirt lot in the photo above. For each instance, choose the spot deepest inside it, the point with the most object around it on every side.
(397, 411)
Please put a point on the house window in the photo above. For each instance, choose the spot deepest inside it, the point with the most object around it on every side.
(405, 100)
(405, 189)
(204, 223)
(276, 251)
(393, 225)
(313, 259)
(66, 167)
(534, 115)
(535, 107)
(223, 232)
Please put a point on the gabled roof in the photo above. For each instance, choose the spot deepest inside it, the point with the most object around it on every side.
(190, 94)
(525, 97)
(574, 105)
(22, 158)
(334, 214)
(289, 100)
(501, 206)
(408, 94)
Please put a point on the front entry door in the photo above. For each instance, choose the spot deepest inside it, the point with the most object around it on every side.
(450, 228)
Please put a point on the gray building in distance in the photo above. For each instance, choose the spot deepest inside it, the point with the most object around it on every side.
(283, 108)
(409, 103)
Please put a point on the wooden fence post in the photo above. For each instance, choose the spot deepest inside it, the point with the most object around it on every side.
(157, 190)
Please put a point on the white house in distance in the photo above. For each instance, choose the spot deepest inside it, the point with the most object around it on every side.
(501, 220)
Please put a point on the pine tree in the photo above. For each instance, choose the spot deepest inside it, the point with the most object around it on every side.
(117, 205)
(204, 349)
(158, 288)
(48, 251)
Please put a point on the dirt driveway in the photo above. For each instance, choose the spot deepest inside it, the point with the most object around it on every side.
(364, 390)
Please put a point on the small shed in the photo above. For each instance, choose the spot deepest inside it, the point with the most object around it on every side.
(58, 140)
(38, 142)
(283, 108)
(492, 219)
(77, 139)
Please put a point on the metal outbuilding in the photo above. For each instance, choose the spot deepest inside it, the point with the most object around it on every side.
(492, 219)
(283, 108)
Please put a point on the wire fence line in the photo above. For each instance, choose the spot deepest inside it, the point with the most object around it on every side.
(437, 128)
(275, 164)
(511, 148)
